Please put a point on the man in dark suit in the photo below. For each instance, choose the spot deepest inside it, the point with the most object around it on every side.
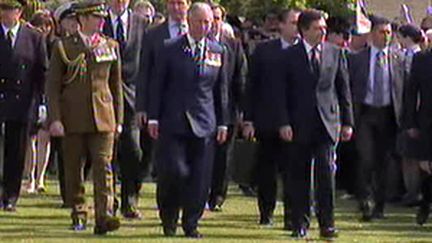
(236, 73)
(315, 112)
(417, 121)
(188, 105)
(128, 29)
(376, 75)
(23, 63)
(261, 114)
(152, 42)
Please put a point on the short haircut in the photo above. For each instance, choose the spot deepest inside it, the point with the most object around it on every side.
(145, 4)
(198, 6)
(307, 17)
(284, 13)
(220, 7)
(412, 32)
(378, 21)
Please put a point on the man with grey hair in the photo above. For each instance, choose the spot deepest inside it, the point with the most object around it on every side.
(187, 108)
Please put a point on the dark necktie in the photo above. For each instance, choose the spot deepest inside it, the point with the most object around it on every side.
(9, 38)
(378, 97)
(315, 62)
(120, 37)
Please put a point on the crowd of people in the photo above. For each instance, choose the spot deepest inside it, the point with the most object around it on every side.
(125, 92)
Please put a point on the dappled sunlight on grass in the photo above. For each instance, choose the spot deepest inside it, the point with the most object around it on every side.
(40, 219)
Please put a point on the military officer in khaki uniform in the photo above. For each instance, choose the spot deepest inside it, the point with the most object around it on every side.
(86, 107)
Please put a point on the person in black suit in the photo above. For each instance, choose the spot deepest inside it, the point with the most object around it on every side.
(315, 113)
(417, 121)
(128, 29)
(188, 107)
(23, 63)
(237, 69)
(152, 42)
(377, 77)
(266, 65)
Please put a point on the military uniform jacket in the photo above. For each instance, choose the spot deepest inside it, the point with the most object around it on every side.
(87, 98)
(22, 75)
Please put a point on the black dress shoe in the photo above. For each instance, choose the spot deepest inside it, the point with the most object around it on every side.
(169, 231)
(79, 224)
(266, 221)
(329, 232)
(300, 233)
(194, 234)
(132, 214)
(10, 207)
(366, 211)
(422, 214)
(109, 224)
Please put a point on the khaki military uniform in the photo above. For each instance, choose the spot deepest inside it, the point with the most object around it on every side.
(84, 92)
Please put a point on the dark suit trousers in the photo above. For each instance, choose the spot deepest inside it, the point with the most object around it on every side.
(319, 149)
(270, 163)
(16, 136)
(426, 190)
(223, 154)
(57, 155)
(184, 167)
(131, 169)
(376, 136)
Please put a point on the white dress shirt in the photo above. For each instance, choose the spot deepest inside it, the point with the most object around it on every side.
(14, 32)
(371, 83)
(174, 28)
(124, 18)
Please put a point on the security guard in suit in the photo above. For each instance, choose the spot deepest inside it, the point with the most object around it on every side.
(86, 107)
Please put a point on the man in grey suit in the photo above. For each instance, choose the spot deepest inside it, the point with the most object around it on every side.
(376, 75)
(128, 29)
(315, 113)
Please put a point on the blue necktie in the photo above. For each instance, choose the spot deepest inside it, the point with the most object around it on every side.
(378, 93)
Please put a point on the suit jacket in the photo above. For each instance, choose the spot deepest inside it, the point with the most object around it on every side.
(92, 102)
(236, 72)
(417, 106)
(130, 60)
(153, 41)
(182, 100)
(359, 75)
(265, 70)
(22, 75)
(308, 99)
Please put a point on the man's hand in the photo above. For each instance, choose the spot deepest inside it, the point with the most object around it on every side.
(153, 130)
(222, 136)
(286, 133)
(248, 131)
(56, 129)
(426, 167)
(346, 133)
(119, 130)
(413, 133)
(141, 119)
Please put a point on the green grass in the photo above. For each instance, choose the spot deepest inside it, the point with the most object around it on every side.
(40, 219)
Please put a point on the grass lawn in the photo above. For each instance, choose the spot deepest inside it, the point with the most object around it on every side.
(40, 219)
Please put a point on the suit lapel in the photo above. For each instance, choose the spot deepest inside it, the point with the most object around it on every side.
(130, 27)
(108, 27)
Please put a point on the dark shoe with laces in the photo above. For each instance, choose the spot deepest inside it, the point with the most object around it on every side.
(300, 233)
